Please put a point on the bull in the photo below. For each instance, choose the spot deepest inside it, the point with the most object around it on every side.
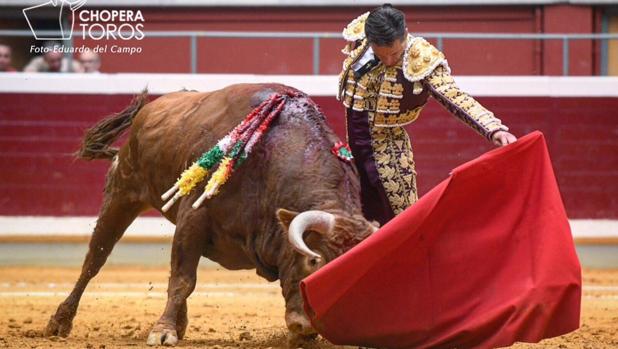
(292, 207)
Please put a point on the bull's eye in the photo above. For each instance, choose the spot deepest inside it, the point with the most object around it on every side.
(313, 262)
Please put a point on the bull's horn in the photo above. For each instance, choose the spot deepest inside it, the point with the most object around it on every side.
(320, 221)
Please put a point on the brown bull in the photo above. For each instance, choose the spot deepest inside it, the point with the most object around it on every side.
(291, 195)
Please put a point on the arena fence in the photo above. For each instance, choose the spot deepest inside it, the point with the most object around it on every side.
(73, 86)
(317, 37)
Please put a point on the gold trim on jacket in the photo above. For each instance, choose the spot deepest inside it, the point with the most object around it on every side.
(443, 89)
(355, 30)
(420, 59)
(385, 100)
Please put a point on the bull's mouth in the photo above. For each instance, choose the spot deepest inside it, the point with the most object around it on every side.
(299, 324)
(300, 329)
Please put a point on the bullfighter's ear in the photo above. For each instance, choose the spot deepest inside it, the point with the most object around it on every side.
(285, 217)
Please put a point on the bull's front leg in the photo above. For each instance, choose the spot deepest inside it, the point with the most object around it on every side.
(301, 332)
(186, 253)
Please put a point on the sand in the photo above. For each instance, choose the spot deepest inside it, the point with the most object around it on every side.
(228, 310)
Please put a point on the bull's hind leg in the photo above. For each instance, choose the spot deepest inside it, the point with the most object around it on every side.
(116, 215)
(187, 249)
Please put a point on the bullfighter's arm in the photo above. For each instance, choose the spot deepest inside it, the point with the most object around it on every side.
(442, 87)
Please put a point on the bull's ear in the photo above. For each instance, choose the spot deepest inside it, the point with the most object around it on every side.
(285, 217)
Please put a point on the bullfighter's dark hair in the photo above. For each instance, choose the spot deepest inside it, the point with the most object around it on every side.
(384, 25)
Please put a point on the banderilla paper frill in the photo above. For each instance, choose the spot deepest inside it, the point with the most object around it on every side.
(228, 154)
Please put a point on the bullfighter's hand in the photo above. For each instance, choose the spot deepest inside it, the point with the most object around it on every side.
(502, 138)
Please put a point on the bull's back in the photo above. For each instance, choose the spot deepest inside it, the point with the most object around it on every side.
(172, 131)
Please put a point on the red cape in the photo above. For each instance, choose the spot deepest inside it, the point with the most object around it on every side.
(483, 260)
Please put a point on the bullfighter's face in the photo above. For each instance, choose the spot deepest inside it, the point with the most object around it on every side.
(390, 55)
(316, 238)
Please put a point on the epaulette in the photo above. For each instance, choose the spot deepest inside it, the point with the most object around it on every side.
(356, 29)
(420, 59)
(353, 56)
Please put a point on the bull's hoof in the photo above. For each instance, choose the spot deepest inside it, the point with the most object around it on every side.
(58, 326)
(162, 336)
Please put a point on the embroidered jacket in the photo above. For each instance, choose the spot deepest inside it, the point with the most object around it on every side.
(395, 96)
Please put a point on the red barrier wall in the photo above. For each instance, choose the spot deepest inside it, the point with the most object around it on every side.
(569, 19)
(38, 133)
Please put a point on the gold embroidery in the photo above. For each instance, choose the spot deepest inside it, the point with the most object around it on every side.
(462, 105)
(348, 96)
(400, 119)
(379, 90)
(420, 59)
(398, 89)
(359, 105)
(360, 94)
(395, 165)
(391, 74)
(391, 90)
(382, 103)
(393, 106)
(380, 93)
(386, 88)
(417, 88)
(345, 77)
(388, 106)
(355, 30)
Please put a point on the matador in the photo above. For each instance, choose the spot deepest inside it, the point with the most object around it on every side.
(386, 80)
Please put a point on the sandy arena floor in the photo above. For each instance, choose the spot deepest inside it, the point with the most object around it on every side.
(228, 310)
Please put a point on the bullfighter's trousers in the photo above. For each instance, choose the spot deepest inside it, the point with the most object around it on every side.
(376, 205)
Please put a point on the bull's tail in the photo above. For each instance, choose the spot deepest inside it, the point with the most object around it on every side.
(99, 138)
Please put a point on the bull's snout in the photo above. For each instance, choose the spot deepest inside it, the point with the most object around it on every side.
(299, 324)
